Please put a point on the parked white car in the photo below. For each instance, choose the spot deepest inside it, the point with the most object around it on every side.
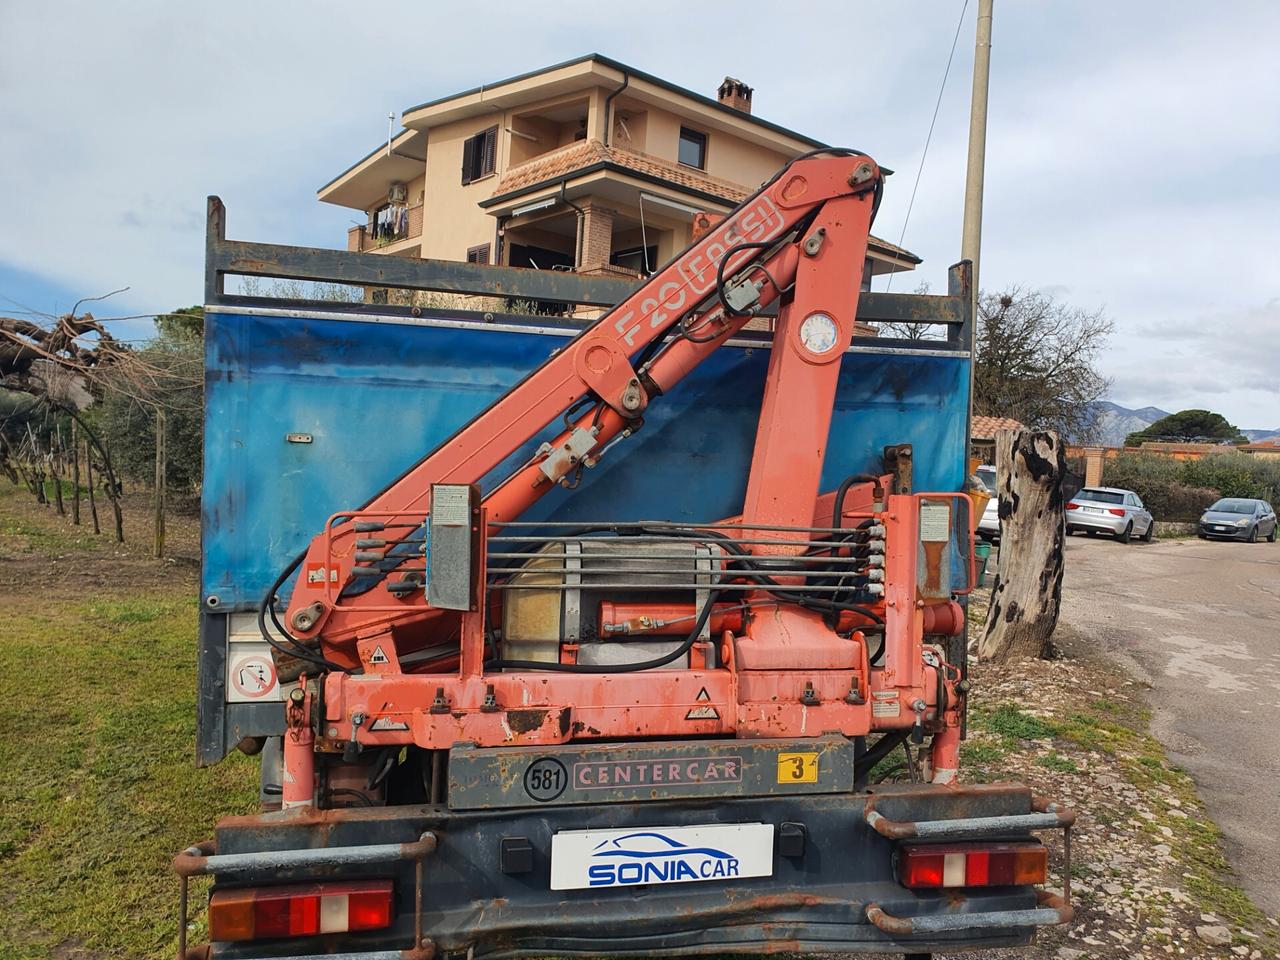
(989, 523)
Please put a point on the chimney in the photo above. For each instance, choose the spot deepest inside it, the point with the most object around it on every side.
(736, 94)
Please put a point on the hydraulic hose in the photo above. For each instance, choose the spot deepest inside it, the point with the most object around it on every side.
(884, 746)
(267, 607)
(662, 661)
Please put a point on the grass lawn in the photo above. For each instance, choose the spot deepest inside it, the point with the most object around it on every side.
(98, 785)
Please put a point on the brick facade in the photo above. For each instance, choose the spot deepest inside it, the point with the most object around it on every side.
(597, 235)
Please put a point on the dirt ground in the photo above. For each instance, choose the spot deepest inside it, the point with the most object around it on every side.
(98, 787)
(69, 562)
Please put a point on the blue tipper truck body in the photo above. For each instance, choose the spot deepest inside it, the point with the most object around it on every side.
(312, 407)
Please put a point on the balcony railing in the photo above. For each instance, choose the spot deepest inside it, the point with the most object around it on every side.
(364, 239)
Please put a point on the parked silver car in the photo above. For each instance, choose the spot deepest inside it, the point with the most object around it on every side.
(1109, 510)
(1236, 518)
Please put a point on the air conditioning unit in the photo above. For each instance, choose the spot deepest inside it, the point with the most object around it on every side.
(397, 193)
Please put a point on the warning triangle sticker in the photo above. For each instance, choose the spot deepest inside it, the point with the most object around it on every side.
(378, 656)
(703, 713)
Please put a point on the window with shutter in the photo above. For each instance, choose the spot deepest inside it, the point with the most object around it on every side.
(468, 160)
(489, 160)
(479, 155)
(478, 254)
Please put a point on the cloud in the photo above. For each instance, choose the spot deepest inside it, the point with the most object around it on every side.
(1230, 355)
(1130, 158)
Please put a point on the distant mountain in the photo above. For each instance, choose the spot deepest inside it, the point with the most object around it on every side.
(1256, 435)
(1116, 422)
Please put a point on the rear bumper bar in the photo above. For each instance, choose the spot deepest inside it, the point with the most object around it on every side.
(1045, 815)
(837, 892)
(1052, 910)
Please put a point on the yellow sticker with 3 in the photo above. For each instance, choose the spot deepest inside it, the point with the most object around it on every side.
(797, 768)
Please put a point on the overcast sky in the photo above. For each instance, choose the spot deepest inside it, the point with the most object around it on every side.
(1131, 164)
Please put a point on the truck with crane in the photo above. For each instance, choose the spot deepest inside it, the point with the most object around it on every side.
(590, 638)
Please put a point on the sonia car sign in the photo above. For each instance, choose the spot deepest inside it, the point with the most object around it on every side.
(618, 858)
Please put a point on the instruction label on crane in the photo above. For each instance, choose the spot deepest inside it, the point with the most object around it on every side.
(935, 522)
(450, 505)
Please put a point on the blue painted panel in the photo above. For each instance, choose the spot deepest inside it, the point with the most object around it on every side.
(376, 397)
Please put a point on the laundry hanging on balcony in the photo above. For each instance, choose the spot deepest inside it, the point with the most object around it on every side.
(391, 222)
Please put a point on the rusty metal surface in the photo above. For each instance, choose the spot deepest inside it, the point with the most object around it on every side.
(1040, 814)
(815, 902)
(907, 801)
(278, 861)
(507, 777)
(238, 257)
(961, 922)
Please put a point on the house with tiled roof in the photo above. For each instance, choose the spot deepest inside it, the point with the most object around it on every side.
(588, 165)
(982, 435)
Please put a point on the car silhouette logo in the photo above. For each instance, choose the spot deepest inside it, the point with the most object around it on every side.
(647, 846)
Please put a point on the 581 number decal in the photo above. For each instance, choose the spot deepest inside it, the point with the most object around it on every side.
(545, 779)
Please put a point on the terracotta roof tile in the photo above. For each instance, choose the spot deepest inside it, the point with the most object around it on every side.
(984, 428)
(586, 153)
(576, 156)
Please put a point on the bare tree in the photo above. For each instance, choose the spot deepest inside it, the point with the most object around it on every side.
(1037, 362)
(51, 362)
(912, 331)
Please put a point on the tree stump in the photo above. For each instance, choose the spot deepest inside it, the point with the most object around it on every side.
(1027, 594)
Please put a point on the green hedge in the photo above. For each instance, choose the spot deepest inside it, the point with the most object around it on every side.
(1236, 475)
(1180, 490)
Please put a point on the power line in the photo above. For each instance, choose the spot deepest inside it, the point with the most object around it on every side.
(920, 170)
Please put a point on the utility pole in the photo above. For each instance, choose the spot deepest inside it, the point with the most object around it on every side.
(971, 236)
(971, 239)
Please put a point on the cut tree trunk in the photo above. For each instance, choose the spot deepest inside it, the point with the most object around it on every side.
(1028, 591)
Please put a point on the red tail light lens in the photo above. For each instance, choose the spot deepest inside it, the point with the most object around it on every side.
(924, 866)
(1073, 505)
(1114, 511)
(300, 910)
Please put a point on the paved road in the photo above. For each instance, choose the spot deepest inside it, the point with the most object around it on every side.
(1201, 620)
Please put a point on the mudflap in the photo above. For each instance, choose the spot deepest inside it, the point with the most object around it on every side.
(477, 883)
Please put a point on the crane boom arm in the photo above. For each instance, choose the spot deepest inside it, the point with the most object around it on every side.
(708, 293)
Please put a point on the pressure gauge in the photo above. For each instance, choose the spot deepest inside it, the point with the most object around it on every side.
(818, 333)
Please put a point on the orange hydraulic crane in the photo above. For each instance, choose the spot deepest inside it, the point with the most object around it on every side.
(359, 603)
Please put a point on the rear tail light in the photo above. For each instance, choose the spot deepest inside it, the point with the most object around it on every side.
(1115, 511)
(922, 866)
(1073, 505)
(299, 910)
